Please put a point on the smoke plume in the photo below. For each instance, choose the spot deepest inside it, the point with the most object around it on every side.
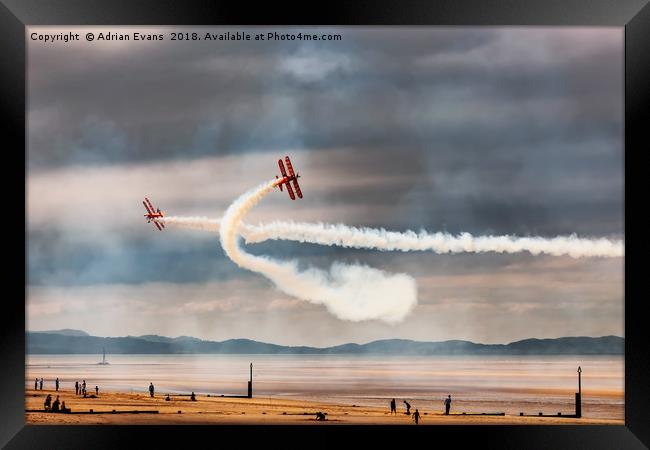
(350, 292)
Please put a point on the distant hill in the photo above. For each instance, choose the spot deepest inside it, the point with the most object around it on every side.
(66, 343)
(65, 332)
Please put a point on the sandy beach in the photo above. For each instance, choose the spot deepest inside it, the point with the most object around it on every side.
(262, 410)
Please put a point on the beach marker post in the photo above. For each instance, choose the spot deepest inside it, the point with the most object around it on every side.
(250, 383)
(579, 394)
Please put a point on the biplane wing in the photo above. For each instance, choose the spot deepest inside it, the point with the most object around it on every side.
(289, 167)
(147, 206)
(290, 191)
(282, 171)
(298, 191)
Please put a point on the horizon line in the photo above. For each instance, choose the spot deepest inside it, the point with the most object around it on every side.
(312, 346)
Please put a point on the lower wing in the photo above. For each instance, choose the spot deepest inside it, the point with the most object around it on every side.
(298, 191)
(290, 191)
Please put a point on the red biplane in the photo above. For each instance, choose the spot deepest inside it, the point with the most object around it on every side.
(153, 214)
(286, 179)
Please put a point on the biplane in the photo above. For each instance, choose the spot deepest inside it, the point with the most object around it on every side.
(153, 214)
(287, 179)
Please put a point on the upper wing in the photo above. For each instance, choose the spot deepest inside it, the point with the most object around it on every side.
(282, 171)
(295, 185)
(290, 191)
(150, 206)
(289, 166)
(158, 225)
(149, 210)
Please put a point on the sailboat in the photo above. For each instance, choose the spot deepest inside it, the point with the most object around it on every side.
(103, 361)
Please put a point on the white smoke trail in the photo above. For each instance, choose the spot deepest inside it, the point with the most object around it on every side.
(194, 222)
(349, 292)
(380, 239)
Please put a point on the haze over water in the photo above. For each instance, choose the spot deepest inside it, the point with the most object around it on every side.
(509, 384)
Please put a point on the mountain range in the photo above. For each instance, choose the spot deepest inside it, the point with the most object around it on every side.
(79, 342)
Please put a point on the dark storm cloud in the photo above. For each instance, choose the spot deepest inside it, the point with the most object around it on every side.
(376, 89)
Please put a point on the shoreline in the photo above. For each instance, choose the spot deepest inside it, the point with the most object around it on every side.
(270, 410)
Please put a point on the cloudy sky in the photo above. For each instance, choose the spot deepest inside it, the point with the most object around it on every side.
(485, 130)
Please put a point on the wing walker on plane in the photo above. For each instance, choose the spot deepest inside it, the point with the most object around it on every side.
(153, 214)
(286, 179)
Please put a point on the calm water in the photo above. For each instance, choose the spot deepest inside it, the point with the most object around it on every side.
(477, 383)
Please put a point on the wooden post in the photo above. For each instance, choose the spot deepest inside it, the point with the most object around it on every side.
(250, 383)
(579, 394)
(579, 380)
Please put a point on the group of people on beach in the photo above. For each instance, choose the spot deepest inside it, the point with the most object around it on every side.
(38, 384)
(416, 414)
(55, 406)
(80, 389)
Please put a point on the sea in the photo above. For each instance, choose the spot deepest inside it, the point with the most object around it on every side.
(477, 384)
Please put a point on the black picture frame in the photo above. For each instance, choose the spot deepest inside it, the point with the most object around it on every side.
(633, 15)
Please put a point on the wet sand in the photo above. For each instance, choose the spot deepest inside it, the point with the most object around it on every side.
(260, 410)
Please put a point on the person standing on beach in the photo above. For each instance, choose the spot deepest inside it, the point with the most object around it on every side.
(36, 384)
(83, 387)
(151, 389)
(408, 408)
(97, 390)
(41, 384)
(416, 416)
(56, 383)
(393, 408)
(76, 388)
(447, 405)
